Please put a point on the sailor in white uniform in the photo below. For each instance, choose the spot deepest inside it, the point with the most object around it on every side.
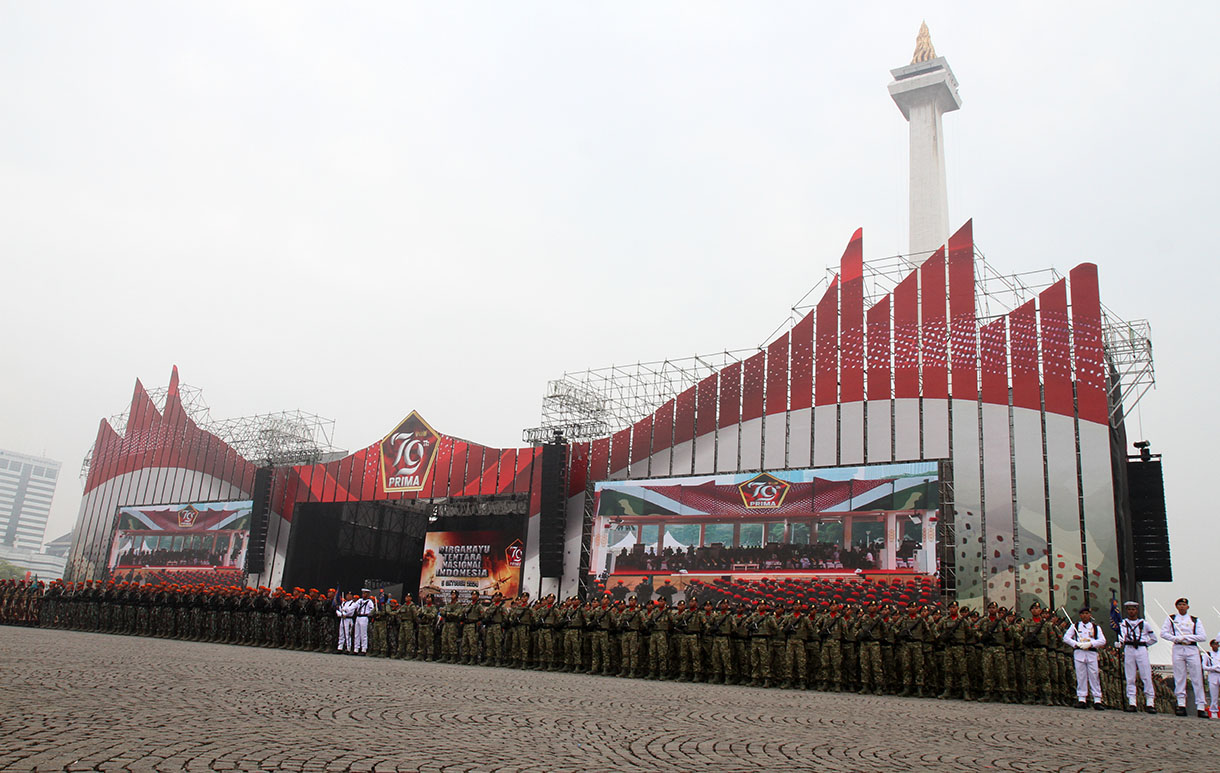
(1211, 667)
(1135, 635)
(363, 609)
(1086, 638)
(1185, 631)
(346, 612)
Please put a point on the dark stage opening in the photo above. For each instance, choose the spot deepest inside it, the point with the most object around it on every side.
(356, 544)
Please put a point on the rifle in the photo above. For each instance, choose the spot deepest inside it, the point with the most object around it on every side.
(872, 623)
(1032, 637)
(945, 634)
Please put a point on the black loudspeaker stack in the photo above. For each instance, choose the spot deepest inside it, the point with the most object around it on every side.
(552, 518)
(1149, 529)
(256, 553)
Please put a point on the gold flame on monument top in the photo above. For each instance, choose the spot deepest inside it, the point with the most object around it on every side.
(923, 46)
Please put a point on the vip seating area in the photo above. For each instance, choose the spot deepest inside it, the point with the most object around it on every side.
(207, 577)
(814, 590)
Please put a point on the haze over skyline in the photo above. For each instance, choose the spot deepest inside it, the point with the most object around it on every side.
(440, 208)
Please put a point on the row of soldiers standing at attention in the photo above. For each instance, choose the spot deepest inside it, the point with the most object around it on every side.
(920, 650)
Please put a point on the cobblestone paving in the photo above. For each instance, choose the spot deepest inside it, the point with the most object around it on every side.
(77, 701)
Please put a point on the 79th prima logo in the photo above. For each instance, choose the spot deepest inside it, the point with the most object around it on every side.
(407, 454)
(763, 492)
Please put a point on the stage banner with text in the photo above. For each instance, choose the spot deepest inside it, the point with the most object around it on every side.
(473, 554)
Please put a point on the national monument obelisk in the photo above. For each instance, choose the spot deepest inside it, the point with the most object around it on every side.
(924, 90)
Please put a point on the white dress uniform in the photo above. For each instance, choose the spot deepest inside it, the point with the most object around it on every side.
(1185, 631)
(1134, 638)
(362, 609)
(1086, 639)
(1211, 667)
(346, 612)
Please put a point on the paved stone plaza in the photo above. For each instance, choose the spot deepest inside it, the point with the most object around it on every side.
(78, 701)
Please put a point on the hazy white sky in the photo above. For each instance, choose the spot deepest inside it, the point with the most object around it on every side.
(362, 209)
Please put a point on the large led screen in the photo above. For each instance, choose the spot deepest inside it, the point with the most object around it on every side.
(875, 518)
(198, 542)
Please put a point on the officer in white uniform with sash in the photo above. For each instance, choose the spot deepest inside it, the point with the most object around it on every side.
(346, 612)
(1135, 635)
(1211, 667)
(1086, 638)
(1185, 631)
(362, 609)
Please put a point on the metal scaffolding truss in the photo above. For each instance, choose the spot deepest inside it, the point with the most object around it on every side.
(1128, 346)
(998, 293)
(594, 403)
(285, 437)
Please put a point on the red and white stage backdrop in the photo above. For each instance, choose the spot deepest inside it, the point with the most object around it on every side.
(1017, 404)
(918, 376)
(164, 457)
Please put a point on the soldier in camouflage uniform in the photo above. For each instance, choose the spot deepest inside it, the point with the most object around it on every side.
(993, 635)
(1064, 677)
(48, 609)
(868, 638)
(630, 623)
(426, 621)
(850, 649)
(660, 623)
(572, 628)
(393, 624)
(198, 616)
(551, 653)
(1013, 652)
(495, 616)
(689, 624)
(144, 608)
(798, 630)
(286, 629)
(912, 631)
(472, 623)
(280, 604)
(407, 638)
(831, 633)
(741, 640)
(451, 617)
(974, 649)
(813, 648)
(933, 678)
(601, 618)
(534, 616)
(889, 650)
(378, 631)
(1036, 637)
(763, 627)
(539, 634)
(269, 621)
(720, 625)
(519, 617)
(952, 635)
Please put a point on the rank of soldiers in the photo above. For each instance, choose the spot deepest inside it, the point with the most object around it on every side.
(920, 650)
